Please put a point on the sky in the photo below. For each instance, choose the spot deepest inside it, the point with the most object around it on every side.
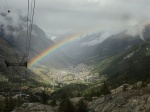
(60, 18)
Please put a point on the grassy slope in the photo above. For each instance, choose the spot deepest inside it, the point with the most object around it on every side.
(14, 76)
(70, 90)
(121, 69)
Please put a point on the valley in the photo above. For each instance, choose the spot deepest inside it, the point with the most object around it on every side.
(88, 71)
(74, 74)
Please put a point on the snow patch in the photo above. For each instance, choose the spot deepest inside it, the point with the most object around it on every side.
(129, 55)
(96, 41)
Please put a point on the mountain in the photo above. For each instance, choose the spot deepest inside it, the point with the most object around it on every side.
(130, 67)
(82, 47)
(123, 59)
(116, 44)
(14, 77)
(127, 62)
(13, 30)
(93, 47)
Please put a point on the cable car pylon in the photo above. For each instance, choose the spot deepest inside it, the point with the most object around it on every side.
(22, 62)
(24, 59)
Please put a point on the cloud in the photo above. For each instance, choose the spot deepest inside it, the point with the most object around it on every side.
(11, 24)
(96, 41)
(72, 16)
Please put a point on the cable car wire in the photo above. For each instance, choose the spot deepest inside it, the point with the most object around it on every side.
(30, 20)
(27, 29)
(30, 26)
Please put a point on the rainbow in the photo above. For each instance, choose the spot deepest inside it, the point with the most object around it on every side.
(61, 44)
(52, 49)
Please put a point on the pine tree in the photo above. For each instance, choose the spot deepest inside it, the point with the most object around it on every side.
(11, 102)
(81, 106)
(44, 98)
(33, 98)
(88, 96)
(104, 89)
(6, 109)
(78, 94)
(66, 106)
(18, 101)
(53, 102)
(1, 106)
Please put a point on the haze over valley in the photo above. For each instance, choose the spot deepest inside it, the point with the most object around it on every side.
(74, 56)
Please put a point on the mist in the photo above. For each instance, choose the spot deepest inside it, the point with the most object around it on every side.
(11, 23)
(68, 17)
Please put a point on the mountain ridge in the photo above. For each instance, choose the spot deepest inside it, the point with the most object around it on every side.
(16, 35)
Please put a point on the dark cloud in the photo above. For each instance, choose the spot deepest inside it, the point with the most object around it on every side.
(60, 17)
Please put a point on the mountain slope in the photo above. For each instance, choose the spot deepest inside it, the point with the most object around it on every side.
(136, 100)
(94, 47)
(14, 77)
(128, 67)
(131, 66)
(15, 32)
(124, 58)
(79, 48)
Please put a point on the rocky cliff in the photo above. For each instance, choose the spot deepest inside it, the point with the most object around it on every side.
(135, 100)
